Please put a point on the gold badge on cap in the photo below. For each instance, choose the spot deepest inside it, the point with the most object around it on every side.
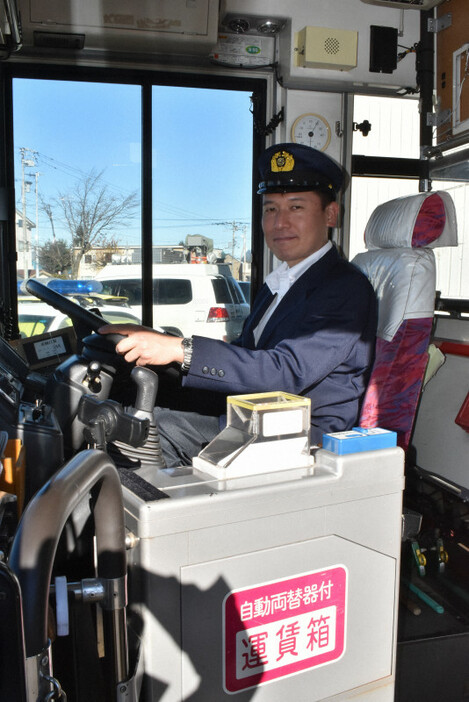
(282, 161)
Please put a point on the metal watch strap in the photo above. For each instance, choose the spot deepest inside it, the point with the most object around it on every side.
(187, 348)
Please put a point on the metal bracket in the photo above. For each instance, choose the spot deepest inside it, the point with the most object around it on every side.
(442, 555)
(435, 119)
(111, 593)
(129, 690)
(419, 558)
(437, 24)
(339, 132)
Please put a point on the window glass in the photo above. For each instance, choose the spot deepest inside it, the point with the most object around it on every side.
(236, 293)
(394, 133)
(77, 176)
(222, 292)
(452, 263)
(78, 172)
(30, 324)
(130, 289)
(246, 290)
(172, 291)
(394, 127)
(368, 193)
(202, 189)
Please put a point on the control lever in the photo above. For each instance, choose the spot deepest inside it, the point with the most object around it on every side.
(146, 381)
(148, 454)
(105, 420)
(93, 377)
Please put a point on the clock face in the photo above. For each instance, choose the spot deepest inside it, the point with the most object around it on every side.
(312, 130)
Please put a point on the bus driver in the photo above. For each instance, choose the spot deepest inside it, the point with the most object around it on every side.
(312, 327)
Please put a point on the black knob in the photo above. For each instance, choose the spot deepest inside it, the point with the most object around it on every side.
(94, 369)
(146, 381)
(93, 379)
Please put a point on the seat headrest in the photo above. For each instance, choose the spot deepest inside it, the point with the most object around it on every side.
(414, 221)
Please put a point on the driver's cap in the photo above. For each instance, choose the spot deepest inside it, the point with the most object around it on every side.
(296, 167)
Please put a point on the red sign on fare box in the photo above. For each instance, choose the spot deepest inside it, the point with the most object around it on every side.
(284, 627)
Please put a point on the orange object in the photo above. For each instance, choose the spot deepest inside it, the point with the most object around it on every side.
(12, 478)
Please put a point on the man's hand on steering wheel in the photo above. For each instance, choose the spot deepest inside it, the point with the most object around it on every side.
(144, 346)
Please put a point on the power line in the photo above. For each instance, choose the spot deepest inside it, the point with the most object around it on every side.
(77, 173)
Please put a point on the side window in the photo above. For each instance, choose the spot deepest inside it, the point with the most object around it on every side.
(245, 286)
(65, 174)
(199, 218)
(452, 262)
(30, 325)
(111, 287)
(394, 133)
(222, 291)
(172, 291)
(131, 289)
(236, 293)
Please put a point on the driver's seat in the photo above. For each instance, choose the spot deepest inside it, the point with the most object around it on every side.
(401, 267)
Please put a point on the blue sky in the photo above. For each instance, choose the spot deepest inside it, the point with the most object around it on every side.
(201, 151)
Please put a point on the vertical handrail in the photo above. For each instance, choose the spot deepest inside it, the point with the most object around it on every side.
(34, 547)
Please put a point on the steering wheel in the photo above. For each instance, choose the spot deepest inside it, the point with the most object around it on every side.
(100, 347)
(84, 321)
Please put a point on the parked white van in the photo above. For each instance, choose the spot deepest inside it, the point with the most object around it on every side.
(202, 299)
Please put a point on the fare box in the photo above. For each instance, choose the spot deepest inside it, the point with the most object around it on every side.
(359, 439)
(282, 628)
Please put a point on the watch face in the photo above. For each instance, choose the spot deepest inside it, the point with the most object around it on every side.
(312, 130)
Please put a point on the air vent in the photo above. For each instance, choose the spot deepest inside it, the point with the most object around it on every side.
(406, 4)
(59, 40)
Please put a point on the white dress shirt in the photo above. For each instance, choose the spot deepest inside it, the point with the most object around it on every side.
(281, 280)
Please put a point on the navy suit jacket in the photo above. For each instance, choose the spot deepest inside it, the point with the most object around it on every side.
(319, 343)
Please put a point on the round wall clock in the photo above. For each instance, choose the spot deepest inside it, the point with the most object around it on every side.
(312, 130)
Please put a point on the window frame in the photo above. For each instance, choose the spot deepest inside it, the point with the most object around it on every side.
(146, 78)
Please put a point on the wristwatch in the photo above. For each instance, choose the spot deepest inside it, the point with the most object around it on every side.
(187, 348)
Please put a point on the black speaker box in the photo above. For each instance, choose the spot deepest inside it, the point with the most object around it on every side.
(383, 49)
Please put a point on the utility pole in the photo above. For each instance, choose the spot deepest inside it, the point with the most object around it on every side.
(244, 251)
(233, 239)
(37, 174)
(25, 185)
(236, 227)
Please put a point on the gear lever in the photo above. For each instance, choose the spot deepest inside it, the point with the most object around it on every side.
(146, 381)
(149, 454)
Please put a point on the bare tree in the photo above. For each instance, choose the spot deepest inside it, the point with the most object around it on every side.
(91, 211)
